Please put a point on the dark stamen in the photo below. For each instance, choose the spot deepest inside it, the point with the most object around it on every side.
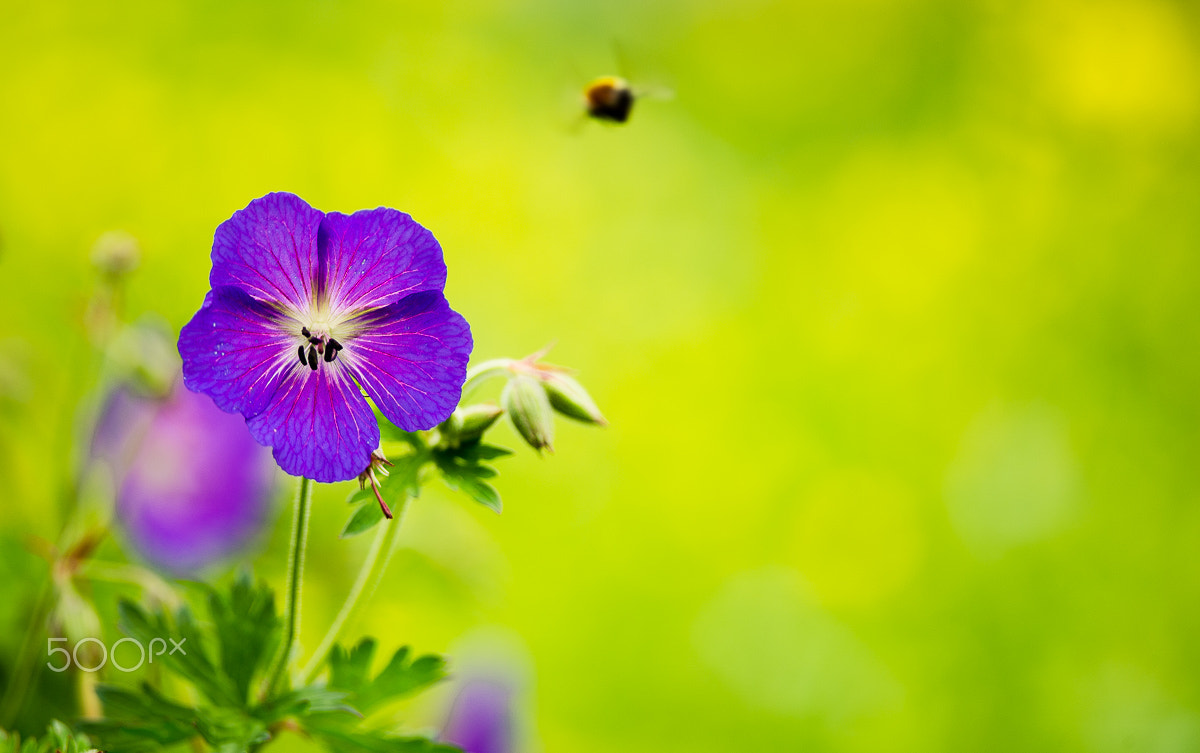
(300, 352)
(315, 340)
(312, 358)
(304, 331)
(330, 354)
(335, 344)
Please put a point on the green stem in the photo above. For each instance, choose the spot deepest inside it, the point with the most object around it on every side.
(25, 667)
(479, 374)
(291, 619)
(369, 576)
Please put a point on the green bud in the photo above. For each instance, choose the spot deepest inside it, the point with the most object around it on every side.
(468, 423)
(528, 408)
(474, 420)
(569, 398)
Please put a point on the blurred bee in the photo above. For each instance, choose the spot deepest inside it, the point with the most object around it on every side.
(609, 98)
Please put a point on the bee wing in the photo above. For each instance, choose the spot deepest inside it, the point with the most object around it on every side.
(660, 93)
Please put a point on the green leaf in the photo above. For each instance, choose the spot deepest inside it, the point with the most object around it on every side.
(230, 730)
(304, 702)
(349, 669)
(477, 451)
(191, 662)
(366, 517)
(366, 741)
(468, 478)
(138, 722)
(247, 630)
(404, 477)
(389, 432)
(401, 677)
(58, 739)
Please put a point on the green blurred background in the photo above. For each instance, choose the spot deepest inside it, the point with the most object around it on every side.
(893, 309)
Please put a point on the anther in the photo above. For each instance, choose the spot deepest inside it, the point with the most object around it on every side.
(300, 352)
(304, 331)
(335, 344)
(330, 354)
(312, 358)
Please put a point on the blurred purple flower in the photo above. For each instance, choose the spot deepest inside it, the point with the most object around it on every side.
(308, 309)
(192, 485)
(480, 719)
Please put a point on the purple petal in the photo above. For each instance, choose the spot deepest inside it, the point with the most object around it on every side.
(481, 718)
(269, 250)
(411, 357)
(375, 257)
(237, 350)
(195, 487)
(319, 424)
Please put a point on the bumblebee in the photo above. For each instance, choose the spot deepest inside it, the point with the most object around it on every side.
(609, 98)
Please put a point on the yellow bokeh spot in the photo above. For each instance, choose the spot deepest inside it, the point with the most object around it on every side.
(1124, 64)
(857, 539)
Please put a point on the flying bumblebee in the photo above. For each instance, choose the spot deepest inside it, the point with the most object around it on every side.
(609, 98)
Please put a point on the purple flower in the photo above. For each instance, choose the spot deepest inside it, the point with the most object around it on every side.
(480, 720)
(309, 309)
(192, 486)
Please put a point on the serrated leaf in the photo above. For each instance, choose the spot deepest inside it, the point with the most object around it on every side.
(58, 739)
(192, 662)
(478, 451)
(401, 677)
(343, 740)
(363, 519)
(404, 477)
(136, 722)
(230, 730)
(483, 493)
(246, 627)
(349, 669)
(468, 478)
(304, 702)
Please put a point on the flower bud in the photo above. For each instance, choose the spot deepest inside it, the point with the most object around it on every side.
(469, 423)
(528, 408)
(569, 398)
(116, 253)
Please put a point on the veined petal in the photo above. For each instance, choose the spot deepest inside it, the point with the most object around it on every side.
(411, 357)
(269, 250)
(319, 425)
(375, 257)
(237, 350)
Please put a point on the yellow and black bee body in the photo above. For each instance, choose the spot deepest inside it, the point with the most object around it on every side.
(609, 98)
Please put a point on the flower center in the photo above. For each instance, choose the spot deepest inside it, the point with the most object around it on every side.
(320, 346)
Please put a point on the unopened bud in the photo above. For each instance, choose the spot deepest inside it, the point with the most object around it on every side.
(528, 408)
(469, 423)
(116, 253)
(569, 398)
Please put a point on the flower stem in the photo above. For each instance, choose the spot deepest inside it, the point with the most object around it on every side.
(369, 576)
(25, 669)
(291, 620)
